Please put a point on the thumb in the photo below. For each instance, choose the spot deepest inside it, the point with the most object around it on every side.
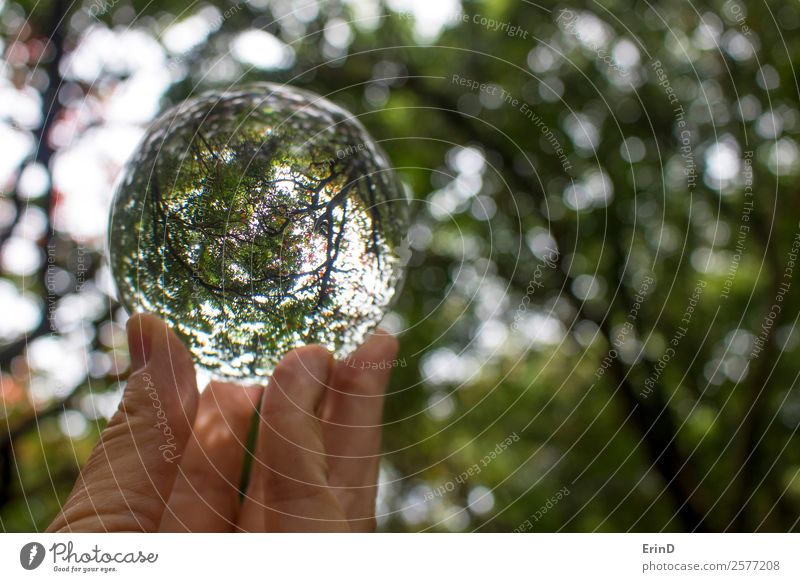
(127, 480)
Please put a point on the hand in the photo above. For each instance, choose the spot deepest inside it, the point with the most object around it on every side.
(171, 459)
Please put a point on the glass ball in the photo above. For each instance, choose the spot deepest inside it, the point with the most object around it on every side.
(256, 220)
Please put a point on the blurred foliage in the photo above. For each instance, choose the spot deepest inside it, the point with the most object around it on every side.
(556, 167)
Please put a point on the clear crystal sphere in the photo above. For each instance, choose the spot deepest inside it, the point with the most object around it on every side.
(256, 220)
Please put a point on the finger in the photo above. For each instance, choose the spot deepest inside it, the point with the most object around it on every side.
(205, 497)
(352, 426)
(290, 462)
(128, 478)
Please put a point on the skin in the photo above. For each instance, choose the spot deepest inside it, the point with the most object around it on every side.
(171, 458)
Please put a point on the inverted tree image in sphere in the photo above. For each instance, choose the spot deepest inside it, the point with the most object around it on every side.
(256, 220)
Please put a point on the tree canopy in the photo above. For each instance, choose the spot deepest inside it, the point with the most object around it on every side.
(598, 323)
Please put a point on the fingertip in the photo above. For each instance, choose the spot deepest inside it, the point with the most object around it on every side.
(150, 340)
(158, 352)
(380, 346)
(383, 343)
(306, 361)
(169, 352)
(140, 338)
(299, 380)
(233, 396)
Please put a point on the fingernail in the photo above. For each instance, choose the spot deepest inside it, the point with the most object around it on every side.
(140, 341)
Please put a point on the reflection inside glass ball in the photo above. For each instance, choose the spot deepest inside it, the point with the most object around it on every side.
(256, 220)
